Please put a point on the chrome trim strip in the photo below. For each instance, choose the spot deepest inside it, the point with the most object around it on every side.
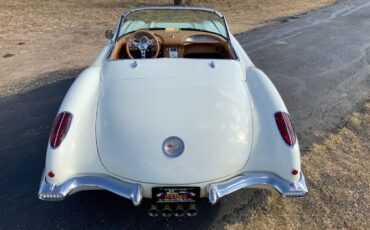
(257, 180)
(79, 183)
(172, 8)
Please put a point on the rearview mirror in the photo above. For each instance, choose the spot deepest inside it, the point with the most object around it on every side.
(109, 34)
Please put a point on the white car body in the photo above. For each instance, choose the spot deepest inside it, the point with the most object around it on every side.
(123, 110)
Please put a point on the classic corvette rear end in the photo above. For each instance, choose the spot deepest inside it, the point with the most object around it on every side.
(172, 111)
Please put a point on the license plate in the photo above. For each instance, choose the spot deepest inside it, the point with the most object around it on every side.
(175, 194)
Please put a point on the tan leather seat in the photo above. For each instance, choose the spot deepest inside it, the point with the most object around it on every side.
(116, 53)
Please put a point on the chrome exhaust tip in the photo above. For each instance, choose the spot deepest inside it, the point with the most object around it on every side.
(192, 210)
(167, 211)
(179, 211)
(153, 211)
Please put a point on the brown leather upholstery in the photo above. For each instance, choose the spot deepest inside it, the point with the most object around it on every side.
(118, 47)
(175, 38)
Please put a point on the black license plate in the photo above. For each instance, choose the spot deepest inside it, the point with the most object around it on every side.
(162, 195)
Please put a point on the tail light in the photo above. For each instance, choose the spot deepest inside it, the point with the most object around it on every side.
(60, 128)
(285, 127)
(51, 174)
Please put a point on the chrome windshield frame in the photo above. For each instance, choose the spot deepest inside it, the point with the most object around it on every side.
(124, 15)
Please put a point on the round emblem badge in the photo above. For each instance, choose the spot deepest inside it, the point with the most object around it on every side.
(173, 146)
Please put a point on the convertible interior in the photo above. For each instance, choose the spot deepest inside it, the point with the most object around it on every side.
(172, 43)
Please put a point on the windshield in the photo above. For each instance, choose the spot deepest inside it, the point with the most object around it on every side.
(183, 19)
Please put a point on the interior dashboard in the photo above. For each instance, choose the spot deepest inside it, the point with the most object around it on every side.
(176, 43)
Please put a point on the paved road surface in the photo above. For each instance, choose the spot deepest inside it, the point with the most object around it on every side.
(318, 61)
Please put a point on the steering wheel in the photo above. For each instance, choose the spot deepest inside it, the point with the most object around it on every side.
(144, 41)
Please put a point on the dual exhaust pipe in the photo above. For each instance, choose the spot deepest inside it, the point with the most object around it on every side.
(168, 211)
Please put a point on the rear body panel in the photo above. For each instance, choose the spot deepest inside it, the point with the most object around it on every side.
(208, 108)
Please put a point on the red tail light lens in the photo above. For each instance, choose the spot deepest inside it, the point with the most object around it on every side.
(295, 172)
(286, 128)
(51, 174)
(60, 128)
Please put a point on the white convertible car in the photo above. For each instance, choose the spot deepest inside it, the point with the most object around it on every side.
(173, 111)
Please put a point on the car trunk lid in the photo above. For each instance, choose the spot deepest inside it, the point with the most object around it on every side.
(141, 106)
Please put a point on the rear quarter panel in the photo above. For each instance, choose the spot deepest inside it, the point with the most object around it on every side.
(77, 154)
(269, 151)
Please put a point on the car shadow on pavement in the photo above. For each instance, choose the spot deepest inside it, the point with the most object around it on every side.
(25, 123)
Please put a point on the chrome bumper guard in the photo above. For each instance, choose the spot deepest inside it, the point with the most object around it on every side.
(258, 180)
(51, 192)
(134, 192)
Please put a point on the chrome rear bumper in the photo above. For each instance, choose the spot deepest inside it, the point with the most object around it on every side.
(258, 180)
(51, 192)
(134, 192)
